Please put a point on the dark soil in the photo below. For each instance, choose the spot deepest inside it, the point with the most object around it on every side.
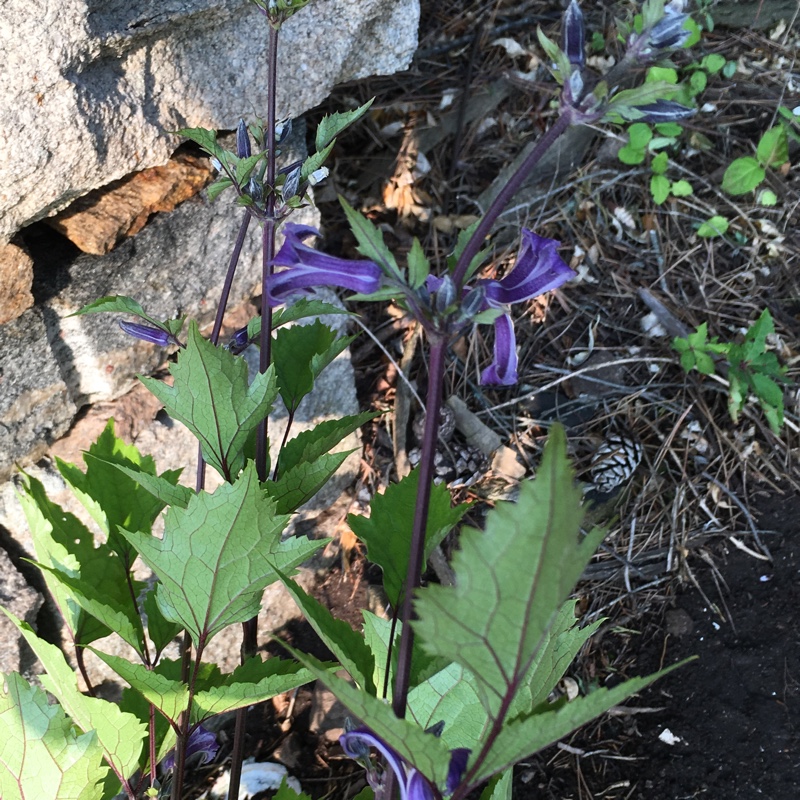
(736, 709)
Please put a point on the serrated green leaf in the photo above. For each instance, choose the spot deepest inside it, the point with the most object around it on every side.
(299, 484)
(639, 135)
(214, 190)
(773, 147)
(119, 303)
(713, 62)
(163, 488)
(286, 792)
(387, 531)
(112, 499)
(495, 619)
(218, 555)
(347, 645)
(299, 355)
(212, 396)
(42, 757)
(426, 752)
(321, 439)
(755, 340)
(663, 74)
(119, 735)
(333, 124)
(499, 787)
(168, 695)
(698, 82)
(314, 162)
(451, 695)
(206, 138)
(659, 188)
(120, 617)
(370, 241)
(630, 155)
(245, 167)
(742, 176)
(299, 309)
(659, 164)
(766, 197)
(418, 265)
(527, 735)
(715, 226)
(160, 630)
(63, 542)
(461, 243)
(561, 66)
(670, 129)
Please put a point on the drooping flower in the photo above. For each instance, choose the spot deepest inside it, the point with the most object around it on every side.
(665, 111)
(308, 268)
(412, 783)
(147, 333)
(202, 743)
(538, 269)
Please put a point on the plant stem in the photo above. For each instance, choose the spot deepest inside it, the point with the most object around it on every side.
(250, 628)
(433, 403)
(507, 192)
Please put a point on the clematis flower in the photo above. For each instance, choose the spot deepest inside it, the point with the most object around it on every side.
(413, 784)
(538, 269)
(201, 743)
(573, 35)
(665, 111)
(308, 268)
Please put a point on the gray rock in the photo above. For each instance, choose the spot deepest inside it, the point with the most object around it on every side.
(24, 603)
(36, 405)
(90, 88)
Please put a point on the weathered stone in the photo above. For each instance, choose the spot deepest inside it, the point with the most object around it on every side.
(90, 88)
(24, 603)
(16, 277)
(98, 221)
(36, 406)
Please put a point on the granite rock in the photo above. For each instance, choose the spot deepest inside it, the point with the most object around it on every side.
(16, 277)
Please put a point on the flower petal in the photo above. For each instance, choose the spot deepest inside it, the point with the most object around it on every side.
(503, 370)
(457, 768)
(538, 269)
(201, 742)
(573, 35)
(356, 743)
(147, 333)
(418, 787)
(308, 268)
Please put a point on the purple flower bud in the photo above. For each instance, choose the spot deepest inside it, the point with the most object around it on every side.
(473, 303)
(669, 32)
(201, 743)
(291, 185)
(147, 333)
(445, 294)
(239, 341)
(665, 111)
(242, 141)
(283, 130)
(254, 189)
(573, 35)
(457, 768)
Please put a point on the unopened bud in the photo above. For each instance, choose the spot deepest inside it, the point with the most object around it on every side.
(473, 303)
(283, 130)
(445, 294)
(146, 333)
(573, 35)
(242, 141)
(292, 183)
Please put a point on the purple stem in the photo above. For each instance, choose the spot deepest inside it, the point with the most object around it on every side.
(250, 628)
(433, 403)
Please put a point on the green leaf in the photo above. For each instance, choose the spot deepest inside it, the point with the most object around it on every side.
(347, 645)
(681, 188)
(299, 355)
(218, 555)
(309, 445)
(418, 265)
(659, 188)
(160, 630)
(426, 752)
(659, 164)
(214, 190)
(314, 162)
(163, 488)
(370, 241)
(713, 62)
(387, 531)
(299, 309)
(119, 735)
(494, 620)
(119, 303)
(211, 395)
(639, 135)
(207, 139)
(671, 129)
(169, 696)
(561, 66)
(742, 175)
(755, 340)
(63, 542)
(630, 155)
(698, 82)
(663, 74)
(299, 484)
(245, 167)
(118, 616)
(113, 500)
(499, 787)
(42, 757)
(766, 197)
(461, 244)
(773, 148)
(715, 226)
(526, 735)
(332, 125)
